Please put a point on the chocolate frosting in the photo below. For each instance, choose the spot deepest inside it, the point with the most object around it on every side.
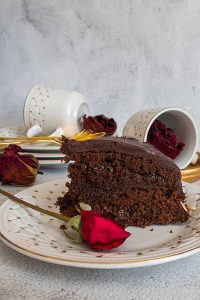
(128, 146)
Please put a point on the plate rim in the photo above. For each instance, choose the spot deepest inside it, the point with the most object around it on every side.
(90, 263)
(51, 162)
(99, 265)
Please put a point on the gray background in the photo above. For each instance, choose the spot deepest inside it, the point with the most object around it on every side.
(122, 55)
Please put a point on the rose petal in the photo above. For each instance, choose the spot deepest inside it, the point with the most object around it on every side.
(100, 123)
(17, 168)
(164, 139)
(100, 232)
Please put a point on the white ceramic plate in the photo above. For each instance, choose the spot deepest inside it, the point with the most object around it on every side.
(39, 236)
(18, 131)
(57, 156)
(51, 162)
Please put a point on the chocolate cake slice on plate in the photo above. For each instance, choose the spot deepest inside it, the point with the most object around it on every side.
(130, 181)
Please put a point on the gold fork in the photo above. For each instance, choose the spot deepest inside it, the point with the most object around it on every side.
(34, 207)
(81, 136)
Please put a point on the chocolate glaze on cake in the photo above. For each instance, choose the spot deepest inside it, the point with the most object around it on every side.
(128, 146)
(130, 181)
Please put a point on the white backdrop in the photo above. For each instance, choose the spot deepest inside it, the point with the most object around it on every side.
(122, 55)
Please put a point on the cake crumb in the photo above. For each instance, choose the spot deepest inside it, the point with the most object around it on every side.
(191, 207)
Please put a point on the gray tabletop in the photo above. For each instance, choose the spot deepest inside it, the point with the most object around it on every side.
(22, 277)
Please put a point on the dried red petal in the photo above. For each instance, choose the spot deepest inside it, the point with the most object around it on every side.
(100, 123)
(100, 232)
(17, 168)
(164, 139)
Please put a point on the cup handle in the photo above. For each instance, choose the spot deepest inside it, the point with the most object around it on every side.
(57, 132)
(34, 130)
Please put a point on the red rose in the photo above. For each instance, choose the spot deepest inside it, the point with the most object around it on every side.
(100, 123)
(17, 168)
(100, 232)
(164, 139)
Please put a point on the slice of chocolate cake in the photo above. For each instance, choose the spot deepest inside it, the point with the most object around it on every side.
(130, 181)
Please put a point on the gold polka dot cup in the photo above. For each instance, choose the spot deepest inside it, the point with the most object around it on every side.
(50, 108)
(139, 124)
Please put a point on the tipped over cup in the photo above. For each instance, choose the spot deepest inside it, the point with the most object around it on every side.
(47, 109)
(180, 121)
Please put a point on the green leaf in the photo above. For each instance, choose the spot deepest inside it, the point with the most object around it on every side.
(75, 222)
(72, 230)
(76, 237)
(84, 206)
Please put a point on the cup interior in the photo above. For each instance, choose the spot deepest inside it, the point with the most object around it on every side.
(184, 128)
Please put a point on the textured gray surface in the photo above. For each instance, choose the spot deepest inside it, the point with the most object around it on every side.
(22, 277)
(122, 55)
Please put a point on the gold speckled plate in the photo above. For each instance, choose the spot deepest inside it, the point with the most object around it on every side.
(39, 236)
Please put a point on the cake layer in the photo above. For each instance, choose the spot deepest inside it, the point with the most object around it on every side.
(118, 197)
(138, 208)
(127, 146)
(123, 171)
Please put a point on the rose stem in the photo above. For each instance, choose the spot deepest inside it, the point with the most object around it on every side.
(41, 210)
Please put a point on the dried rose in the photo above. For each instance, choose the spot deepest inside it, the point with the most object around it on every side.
(164, 139)
(17, 168)
(100, 232)
(100, 123)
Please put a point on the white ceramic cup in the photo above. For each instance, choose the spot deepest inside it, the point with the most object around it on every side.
(183, 124)
(50, 109)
